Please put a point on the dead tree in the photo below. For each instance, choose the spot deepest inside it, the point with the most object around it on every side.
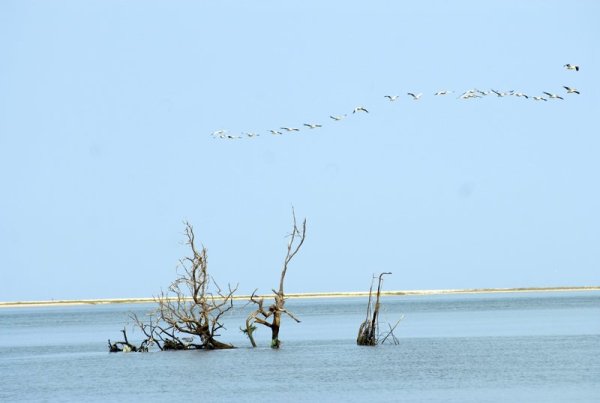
(368, 332)
(189, 315)
(125, 346)
(190, 307)
(275, 310)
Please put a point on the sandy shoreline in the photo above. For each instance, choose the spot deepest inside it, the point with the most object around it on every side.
(349, 294)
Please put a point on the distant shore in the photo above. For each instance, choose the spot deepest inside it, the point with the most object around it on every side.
(349, 294)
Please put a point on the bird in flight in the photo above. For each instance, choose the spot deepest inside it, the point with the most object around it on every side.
(570, 66)
(290, 129)
(337, 118)
(539, 99)
(443, 92)
(275, 132)
(218, 133)
(415, 97)
(251, 134)
(520, 94)
(392, 98)
(469, 94)
(312, 125)
(571, 90)
(360, 109)
(502, 94)
(553, 96)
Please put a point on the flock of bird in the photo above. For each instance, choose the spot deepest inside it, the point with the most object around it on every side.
(469, 94)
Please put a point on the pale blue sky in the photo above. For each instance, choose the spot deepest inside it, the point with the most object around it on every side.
(106, 110)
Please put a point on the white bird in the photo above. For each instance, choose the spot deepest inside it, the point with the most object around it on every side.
(571, 90)
(290, 129)
(360, 109)
(416, 97)
(469, 94)
(275, 132)
(312, 125)
(443, 92)
(503, 94)
(520, 94)
(570, 66)
(539, 99)
(218, 133)
(391, 97)
(337, 118)
(553, 96)
(251, 134)
(483, 93)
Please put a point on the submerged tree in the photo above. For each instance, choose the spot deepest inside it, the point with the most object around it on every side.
(189, 314)
(368, 333)
(125, 346)
(275, 310)
(190, 306)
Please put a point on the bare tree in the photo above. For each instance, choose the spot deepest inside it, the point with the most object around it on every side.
(275, 310)
(368, 333)
(189, 315)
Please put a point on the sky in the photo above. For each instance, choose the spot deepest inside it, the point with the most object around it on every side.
(107, 109)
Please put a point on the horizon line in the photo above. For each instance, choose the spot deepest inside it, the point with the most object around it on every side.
(316, 295)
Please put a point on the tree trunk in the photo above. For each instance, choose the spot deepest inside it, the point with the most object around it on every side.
(275, 343)
(367, 333)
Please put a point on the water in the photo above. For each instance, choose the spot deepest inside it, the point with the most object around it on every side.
(459, 348)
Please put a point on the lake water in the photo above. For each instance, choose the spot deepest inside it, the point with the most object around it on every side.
(529, 347)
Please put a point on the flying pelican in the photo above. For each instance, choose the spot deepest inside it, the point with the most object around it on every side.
(553, 96)
(416, 97)
(539, 99)
(312, 125)
(337, 118)
(251, 134)
(218, 133)
(570, 66)
(290, 129)
(520, 94)
(392, 98)
(469, 94)
(443, 92)
(275, 132)
(503, 94)
(359, 109)
(571, 90)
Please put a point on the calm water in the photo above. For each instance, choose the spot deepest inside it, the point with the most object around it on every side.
(474, 348)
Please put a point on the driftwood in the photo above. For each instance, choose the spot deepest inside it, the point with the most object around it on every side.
(125, 346)
(189, 314)
(368, 332)
(274, 312)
